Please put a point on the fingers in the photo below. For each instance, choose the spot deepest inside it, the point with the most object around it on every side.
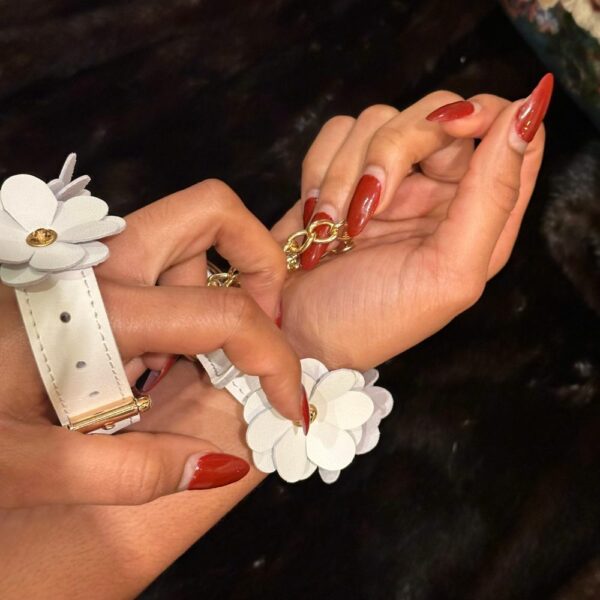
(50, 465)
(192, 320)
(476, 124)
(402, 142)
(171, 235)
(491, 189)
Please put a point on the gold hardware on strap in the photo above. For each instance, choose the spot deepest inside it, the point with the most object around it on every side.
(296, 244)
(108, 417)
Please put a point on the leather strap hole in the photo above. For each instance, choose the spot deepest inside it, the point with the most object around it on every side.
(65, 317)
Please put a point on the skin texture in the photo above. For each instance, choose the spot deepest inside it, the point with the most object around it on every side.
(426, 257)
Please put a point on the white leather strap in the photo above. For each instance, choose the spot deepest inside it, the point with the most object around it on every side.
(223, 374)
(74, 346)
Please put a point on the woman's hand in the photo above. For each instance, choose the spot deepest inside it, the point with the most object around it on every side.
(433, 217)
(165, 242)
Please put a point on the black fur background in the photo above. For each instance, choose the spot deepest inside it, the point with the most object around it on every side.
(486, 483)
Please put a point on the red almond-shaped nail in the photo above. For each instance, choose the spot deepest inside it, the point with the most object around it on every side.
(155, 377)
(309, 208)
(310, 258)
(305, 411)
(217, 470)
(532, 112)
(451, 112)
(363, 204)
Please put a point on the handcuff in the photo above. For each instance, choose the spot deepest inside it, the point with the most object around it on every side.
(49, 244)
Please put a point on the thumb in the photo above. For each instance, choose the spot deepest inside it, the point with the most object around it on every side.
(50, 465)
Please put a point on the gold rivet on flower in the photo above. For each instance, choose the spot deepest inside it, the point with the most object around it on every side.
(41, 237)
(312, 412)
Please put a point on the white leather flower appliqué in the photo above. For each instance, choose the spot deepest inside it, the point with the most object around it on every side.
(345, 416)
(50, 228)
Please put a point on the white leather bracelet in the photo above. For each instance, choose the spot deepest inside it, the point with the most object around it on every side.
(48, 247)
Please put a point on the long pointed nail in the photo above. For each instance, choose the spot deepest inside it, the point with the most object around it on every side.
(452, 111)
(309, 208)
(364, 203)
(532, 112)
(207, 471)
(149, 380)
(310, 258)
(305, 411)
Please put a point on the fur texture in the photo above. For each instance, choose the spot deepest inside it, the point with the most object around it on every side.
(485, 484)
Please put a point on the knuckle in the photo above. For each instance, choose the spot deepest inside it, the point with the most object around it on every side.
(388, 143)
(339, 123)
(239, 310)
(141, 478)
(213, 194)
(441, 97)
(377, 113)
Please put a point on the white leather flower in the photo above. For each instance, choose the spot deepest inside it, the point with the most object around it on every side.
(367, 436)
(340, 407)
(50, 228)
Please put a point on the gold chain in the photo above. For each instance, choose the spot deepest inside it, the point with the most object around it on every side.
(296, 244)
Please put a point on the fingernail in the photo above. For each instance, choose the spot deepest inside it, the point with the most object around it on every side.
(305, 410)
(530, 115)
(207, 471)
(279, 315)
(150, 379)
(310, 258)
(309, 207)
(452, 111)
(364, 203)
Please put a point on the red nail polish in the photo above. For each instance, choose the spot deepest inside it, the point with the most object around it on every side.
(305, 411)
(451, 112)
(279, 316)
(217, 470)
(309, 207)
(363, 204)
(154, 377)
(310, 258)
(532, 112)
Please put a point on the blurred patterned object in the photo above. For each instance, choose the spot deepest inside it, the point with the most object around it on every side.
(566, 35)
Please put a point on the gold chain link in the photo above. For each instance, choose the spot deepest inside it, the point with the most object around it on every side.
(296, 244)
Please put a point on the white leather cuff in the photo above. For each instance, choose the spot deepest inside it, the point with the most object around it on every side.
(48, 246)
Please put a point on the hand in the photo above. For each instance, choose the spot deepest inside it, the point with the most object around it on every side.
(165, 242)
(434, 220)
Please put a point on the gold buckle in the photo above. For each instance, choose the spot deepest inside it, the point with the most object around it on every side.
(108, 417)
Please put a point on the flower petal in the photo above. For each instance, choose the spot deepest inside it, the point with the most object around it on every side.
(255, 403)
(334, 384)
(313, 367)
(357, 434)
(329, 447)
(56, 257)
(329, 476)
(86, 232)
(66, 173)
(310, 469)
(265, 429)
(96, 253)
(263, 461)
(347, 411)
(20, 275)
(369, 439)
(78, 211)
(29, 201)
(290, 455)
(13, 247)
(74, 189)
(383, 400)
(371, 376)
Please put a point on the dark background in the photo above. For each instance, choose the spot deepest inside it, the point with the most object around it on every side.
(486, 483)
